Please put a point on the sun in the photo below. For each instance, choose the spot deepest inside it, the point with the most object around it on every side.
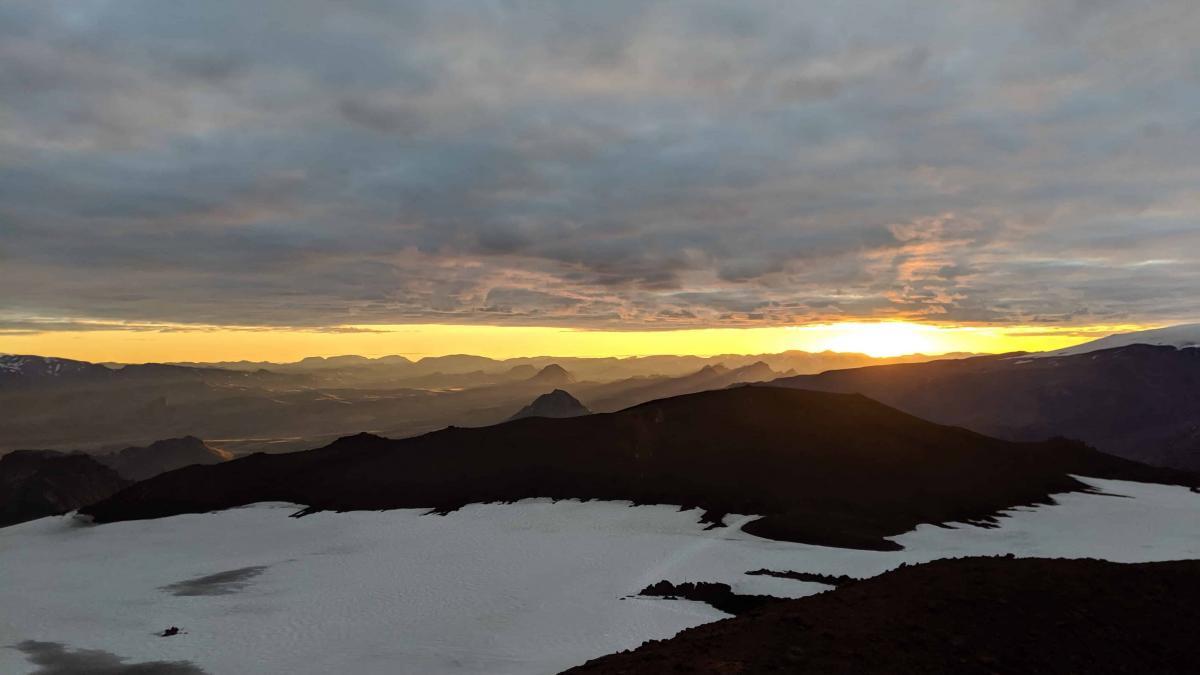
(890, 338)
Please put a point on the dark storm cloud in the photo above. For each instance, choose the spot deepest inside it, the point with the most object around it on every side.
(618, 164)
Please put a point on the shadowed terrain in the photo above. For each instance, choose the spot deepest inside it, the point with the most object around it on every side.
(247, 407)
(971, 615)
(37, 483)
(1141, 401)
(820, 468)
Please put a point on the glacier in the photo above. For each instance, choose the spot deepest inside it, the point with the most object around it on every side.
(530, 587)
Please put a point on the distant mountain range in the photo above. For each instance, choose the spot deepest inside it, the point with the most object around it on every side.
(362, 371)
(23, 371)
(1134, 400)
(625, 393)
(820, 468)
(57, 403)
(1122, 394)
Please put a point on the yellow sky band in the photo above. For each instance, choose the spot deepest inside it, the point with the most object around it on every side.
(134, 344)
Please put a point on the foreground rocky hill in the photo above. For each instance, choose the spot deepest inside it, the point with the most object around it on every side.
(820, 468)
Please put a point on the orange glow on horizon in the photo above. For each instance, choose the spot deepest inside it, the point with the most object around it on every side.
(137, 344)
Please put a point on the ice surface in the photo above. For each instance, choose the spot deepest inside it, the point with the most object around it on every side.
(532, 587)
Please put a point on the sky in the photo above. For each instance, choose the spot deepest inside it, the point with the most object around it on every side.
(221, 179)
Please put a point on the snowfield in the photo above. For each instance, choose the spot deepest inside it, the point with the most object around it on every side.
(532, 587)
(1184, 336)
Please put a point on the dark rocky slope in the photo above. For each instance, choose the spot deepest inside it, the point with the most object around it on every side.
(1140, 402)
(821, 468)
(36, 483)
(967, 616)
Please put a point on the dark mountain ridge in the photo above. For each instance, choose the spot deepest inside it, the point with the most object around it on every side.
(37, 483)
(820, 468)
(1141, 402)
(22, 371)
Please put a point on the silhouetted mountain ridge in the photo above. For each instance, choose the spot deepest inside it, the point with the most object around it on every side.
(558, 403)
(1141, 402)
(820, 468)
(38, 483)
(553, 375)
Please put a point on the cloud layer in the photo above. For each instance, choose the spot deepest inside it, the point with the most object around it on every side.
(598, 164)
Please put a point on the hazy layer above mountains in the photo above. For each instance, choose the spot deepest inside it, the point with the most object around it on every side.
(245, 407)
(459, 369)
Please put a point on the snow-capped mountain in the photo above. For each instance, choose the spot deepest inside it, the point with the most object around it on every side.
(1183, 336)
(43, 366)
(21, 369)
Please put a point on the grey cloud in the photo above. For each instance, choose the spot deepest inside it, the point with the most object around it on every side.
(597, 164)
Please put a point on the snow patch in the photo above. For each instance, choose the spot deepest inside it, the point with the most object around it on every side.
(531, 587)
(1185, 336)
